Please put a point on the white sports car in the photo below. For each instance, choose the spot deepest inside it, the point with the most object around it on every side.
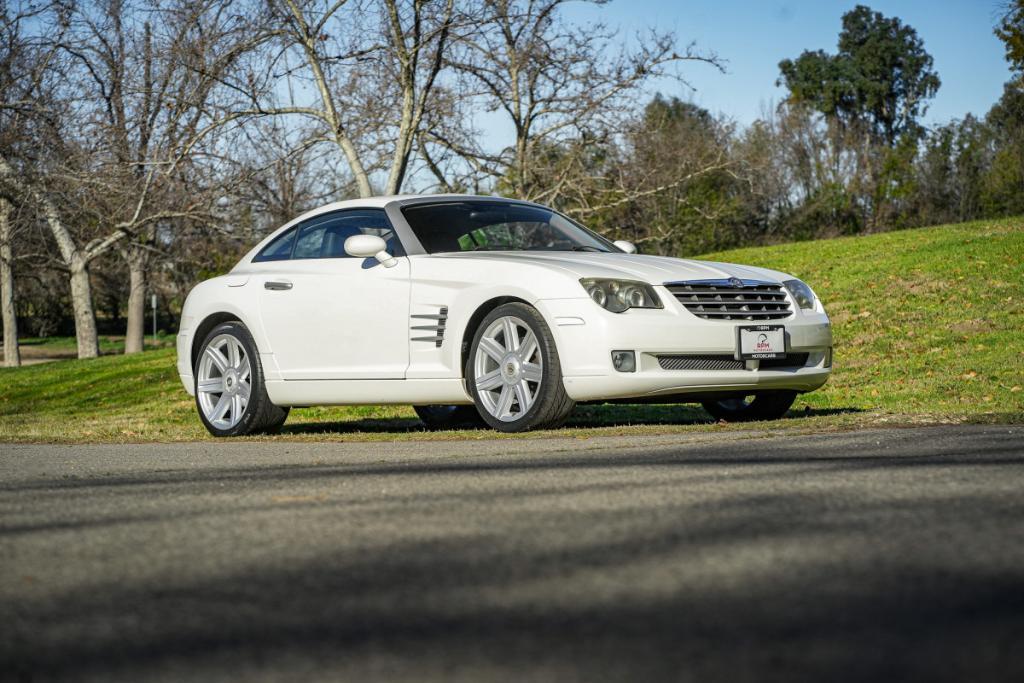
(487, 309)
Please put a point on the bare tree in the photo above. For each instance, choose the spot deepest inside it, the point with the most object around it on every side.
(277, 176)
(147, 86)
(16, 64)
(552, 81)
(12, 354)
(339, 65)
(29, 108)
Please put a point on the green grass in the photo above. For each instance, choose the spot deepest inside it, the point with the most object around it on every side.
(928, 325)
(66, 347)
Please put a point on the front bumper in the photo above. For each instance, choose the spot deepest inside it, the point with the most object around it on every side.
(586, 334)
(184, 346)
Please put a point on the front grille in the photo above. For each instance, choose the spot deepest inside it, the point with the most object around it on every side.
(723, 362)
(732, 299)
(700, 363)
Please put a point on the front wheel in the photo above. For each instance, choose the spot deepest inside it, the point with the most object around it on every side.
(513, 372)
(768, 405)
(230, 393)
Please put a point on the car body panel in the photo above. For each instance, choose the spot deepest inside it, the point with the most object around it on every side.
(353, 331)
(331, 323)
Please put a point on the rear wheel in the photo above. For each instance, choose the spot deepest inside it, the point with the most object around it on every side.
(230, 393)
(762, 406)
(449, 417)
(513, 372)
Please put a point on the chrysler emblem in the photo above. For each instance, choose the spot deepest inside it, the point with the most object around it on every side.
(735, 282)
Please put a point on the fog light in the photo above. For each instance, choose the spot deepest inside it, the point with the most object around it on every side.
(828, 357)
(624, 361)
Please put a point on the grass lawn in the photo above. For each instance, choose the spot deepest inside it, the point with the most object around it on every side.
(928, 323)
(62, 348)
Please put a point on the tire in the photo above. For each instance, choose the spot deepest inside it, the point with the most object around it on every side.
(228, 368)
(504, 381)
(768, 405)
(449, 417)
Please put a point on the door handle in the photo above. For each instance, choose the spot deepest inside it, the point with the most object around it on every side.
(277, 286)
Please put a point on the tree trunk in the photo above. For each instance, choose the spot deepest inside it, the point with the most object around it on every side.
(76, 260)
(135, 332)
(81, 302)
(12, 354)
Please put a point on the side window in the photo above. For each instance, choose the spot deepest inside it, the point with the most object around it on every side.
(324, 236)
(311, 237)
(280, 249)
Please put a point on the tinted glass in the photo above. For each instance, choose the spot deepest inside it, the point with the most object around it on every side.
(496, 226)
(280, 249)
(324, 236)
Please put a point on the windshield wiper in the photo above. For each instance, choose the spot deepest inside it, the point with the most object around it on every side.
(586, 247)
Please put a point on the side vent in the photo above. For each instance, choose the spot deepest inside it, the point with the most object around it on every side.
(439, 320)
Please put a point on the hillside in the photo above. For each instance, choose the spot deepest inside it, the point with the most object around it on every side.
(925, 321)
(929, 326)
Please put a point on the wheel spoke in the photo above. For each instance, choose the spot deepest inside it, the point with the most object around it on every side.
(214, 385)
(511, 334)
(234, 355)
(220, 409)
(524, 396)
(492, 380)
(236, 409)
(243, 370)
(492, 348)
(504, 405)
(244, 390)
(217, 358)
(532, 372)
(528, 347)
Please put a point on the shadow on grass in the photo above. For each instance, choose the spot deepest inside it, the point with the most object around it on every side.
(585, 416)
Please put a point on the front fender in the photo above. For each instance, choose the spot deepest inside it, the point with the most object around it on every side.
(210, 303)
(462, 290)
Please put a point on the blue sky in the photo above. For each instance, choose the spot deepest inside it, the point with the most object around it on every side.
(754, 35)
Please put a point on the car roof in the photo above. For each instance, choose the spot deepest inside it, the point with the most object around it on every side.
(379, 202)
(383, 200)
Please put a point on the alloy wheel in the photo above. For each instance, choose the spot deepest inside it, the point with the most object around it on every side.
(508, 368)
(224, 381)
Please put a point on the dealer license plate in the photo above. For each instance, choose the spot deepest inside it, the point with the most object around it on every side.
(761, 341)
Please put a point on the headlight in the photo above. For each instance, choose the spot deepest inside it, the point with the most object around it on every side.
(621, 295)
(802, 294)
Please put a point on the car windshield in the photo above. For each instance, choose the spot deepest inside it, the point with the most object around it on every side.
(498, 226)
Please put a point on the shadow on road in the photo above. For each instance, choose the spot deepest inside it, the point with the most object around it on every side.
(775, 560)
(585, 416)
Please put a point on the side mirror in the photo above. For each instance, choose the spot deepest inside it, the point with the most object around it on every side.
(369, 246)
(625, 246)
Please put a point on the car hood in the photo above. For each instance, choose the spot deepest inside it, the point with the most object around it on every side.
(655, 270)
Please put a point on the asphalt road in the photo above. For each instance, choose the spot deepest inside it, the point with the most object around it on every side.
(881, 555)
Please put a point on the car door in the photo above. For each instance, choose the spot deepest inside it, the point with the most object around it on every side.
(327, 315)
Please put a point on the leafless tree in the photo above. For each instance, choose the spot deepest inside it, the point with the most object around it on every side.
(116, 113)
(279, 174)
(363, 74)
(148, 74)
(552, 81)
(12, 354)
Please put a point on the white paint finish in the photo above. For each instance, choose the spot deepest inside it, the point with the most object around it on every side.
(464, 285)
(343, 318)
(342, 333)
(666, 383)
(364, 392)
